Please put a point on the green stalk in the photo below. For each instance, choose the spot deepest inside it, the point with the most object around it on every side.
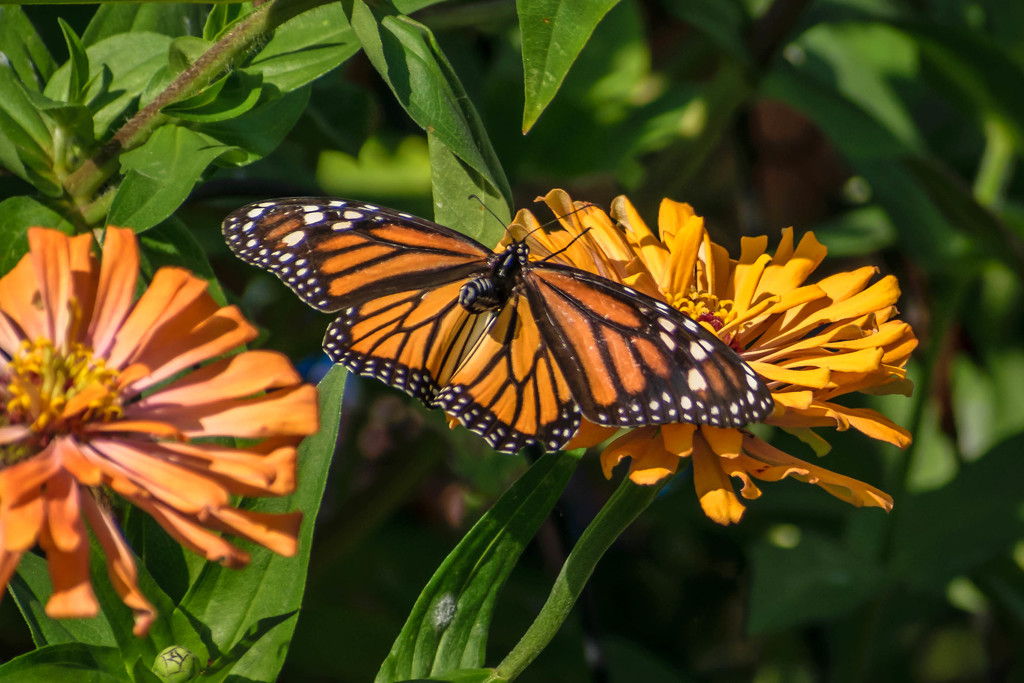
(89, 177)
(996, 165)
(945, 318)
(618, 513)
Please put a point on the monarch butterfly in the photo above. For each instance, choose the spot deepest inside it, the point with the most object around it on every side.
(516, 349)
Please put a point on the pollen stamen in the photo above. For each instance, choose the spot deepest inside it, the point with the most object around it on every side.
(38, 387)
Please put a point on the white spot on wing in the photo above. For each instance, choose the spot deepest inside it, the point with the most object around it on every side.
(695, 380)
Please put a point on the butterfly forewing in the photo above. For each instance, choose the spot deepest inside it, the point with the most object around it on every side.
(336, 253)
(631, 360)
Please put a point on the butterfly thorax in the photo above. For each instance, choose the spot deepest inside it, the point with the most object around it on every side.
(491, 290)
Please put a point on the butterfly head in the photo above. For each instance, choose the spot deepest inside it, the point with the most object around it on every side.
(490, 291)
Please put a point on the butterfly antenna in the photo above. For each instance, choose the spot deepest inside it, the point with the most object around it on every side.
(551, 256)
(487, 208)
(555, 220)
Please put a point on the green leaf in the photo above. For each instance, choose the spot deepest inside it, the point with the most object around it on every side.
(184, 52)
(259, 131)
(25, 51)
(226, 98)
(165, 630)
(79, 61)
(958, 204)
(17, 215)
(554, 32)
(26, 147)
(860, 232)
(469, 676)
(980, 72)
(817, 579)
(75, 119)
(878, 155)
(167, 19)
(726, 22)
(447, 628)
(76, 662)
(407, 56)
(30, 586)
(305, 48)
(258, 605)
(222, 17)
(975, 518)
(853, 101)
(453, 183)
(160, 175)
(172, 244)
(128, 77)
(864, 62)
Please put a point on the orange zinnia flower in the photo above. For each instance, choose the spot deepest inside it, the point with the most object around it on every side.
(100, 394)
(810, 342)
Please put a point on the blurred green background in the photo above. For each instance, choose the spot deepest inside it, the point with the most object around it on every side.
(894, 131)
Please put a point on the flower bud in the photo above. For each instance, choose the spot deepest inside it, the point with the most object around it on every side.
(176, 665)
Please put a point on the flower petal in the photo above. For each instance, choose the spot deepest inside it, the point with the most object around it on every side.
(51, 260)
(714, 489)
(282, 412)
(13, 433)
(817, 378)
(683, 245)
(653, 465)
(277, 532)
(237, 376)
(10, 337)
(774, 465)
(646, 244)
(589, 434)
(119, 270)
(265, 469)
(678, 438)
(188, 532)
(8, 564)
(173, 294)
(725, 443)
(863, 360)
(789, 271)
(63, 507)
(72, 595)
(132, 470)
(121, 567)
(19, 297)
(630, 445)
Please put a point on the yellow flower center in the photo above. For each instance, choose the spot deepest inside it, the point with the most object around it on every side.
(705, 308)
(52, 392)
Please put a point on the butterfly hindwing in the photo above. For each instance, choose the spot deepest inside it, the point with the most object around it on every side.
(508, 388)
(631, 360)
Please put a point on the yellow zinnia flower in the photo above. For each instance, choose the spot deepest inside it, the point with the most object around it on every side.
(99, 394)
(810, 342)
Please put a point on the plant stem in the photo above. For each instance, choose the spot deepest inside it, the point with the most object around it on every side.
(89, 177)
(996, 166)
(618, 513)
(942, 326)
